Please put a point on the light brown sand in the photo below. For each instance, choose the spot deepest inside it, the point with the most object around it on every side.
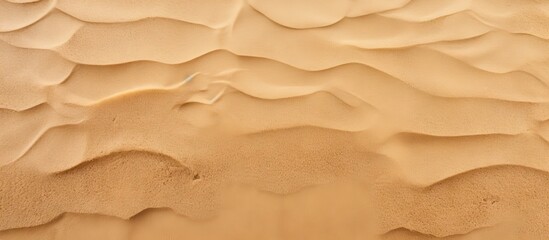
(274, 119)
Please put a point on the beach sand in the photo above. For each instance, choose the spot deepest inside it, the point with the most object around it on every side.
(274, 119)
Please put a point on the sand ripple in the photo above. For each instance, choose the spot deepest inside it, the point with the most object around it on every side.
(128, 114)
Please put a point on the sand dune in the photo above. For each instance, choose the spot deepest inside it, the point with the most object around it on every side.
(405, 119)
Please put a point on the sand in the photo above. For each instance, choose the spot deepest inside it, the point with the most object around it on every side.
(264, 119)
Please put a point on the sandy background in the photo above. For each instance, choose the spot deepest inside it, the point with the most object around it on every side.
(274, 119)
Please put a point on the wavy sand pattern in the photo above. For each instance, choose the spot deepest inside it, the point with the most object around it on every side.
(259, 119)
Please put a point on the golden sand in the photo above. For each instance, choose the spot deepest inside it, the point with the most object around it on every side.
(274, 119)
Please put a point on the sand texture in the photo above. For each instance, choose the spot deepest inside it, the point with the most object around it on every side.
(274, 119)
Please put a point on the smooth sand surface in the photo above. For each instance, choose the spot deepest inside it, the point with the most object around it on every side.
(274, 119)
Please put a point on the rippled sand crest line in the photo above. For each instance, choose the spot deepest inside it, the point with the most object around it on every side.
(255, 119)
